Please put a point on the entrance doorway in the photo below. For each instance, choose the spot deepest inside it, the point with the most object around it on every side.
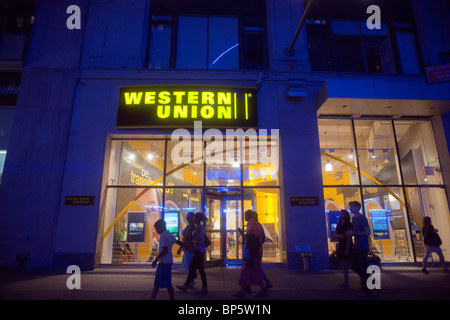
(224, 212)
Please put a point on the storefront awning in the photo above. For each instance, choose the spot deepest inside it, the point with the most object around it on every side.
(381, 98)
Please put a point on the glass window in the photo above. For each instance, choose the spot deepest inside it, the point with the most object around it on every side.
(213, 47)
(254, 48)
(177, 203)
(435, 205)
(223, 51)
(261, 164)
(2, 162)
(376, 152)
(182, 168)
(219, 26)
(192, 51)
(137, 162)
(147, 179)
(265, 202)
(388, 220)
(6, 121)
(394, 204)
(160, 44)
(119, 245)
(320, 56)
(16, 19)
(418, 152)
(335, 200)
(338, 153)
(356, 48)
(408, 52)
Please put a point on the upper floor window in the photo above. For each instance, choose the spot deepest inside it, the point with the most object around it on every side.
(339, 39)
(208, 35)
(16, 19)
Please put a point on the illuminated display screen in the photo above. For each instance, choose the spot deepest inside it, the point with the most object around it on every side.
(160, 106)
(380, 225)
(172, 219)
(136, 227)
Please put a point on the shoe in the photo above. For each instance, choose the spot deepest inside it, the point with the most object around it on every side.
(446, 271)
(202, 291)
(182, 288)
(248, 289)
(260, 294)
(268, 285)
(425, 271)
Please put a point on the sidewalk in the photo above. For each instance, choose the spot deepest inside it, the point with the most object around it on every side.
(136, 283)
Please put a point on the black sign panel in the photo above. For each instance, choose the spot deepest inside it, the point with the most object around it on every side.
(79, 200)
(179, 107)
(304, 201)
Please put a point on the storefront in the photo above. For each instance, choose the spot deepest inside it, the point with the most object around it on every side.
(197, 167)
(393, 168)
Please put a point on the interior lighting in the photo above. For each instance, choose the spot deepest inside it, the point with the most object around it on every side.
(328, 166)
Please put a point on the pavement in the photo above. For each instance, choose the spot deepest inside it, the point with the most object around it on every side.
(396, 282)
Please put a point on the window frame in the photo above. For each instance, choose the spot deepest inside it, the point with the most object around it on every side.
(247, 18)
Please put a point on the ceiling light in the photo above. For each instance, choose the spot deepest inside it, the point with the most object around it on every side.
(328, 166)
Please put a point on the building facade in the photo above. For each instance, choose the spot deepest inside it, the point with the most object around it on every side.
(118, 113)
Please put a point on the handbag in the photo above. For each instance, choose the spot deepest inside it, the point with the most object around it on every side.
(433, 239)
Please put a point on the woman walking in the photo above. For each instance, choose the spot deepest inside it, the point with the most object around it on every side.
(345, 244)
(432, 243)
(198, 260)
(251, 272)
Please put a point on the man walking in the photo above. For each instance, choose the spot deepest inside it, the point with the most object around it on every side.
(361, 233)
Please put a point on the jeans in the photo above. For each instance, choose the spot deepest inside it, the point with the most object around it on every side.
(198, 263)
(360, 265)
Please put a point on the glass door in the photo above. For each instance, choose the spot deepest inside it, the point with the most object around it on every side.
(232, 211)
(224, 213)
(214, 230)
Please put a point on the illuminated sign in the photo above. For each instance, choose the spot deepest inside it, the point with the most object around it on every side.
(136, 226)
(380, 225)
(172, 219)
(158, 106)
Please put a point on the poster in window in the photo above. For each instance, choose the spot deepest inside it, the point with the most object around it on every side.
(136, 226)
